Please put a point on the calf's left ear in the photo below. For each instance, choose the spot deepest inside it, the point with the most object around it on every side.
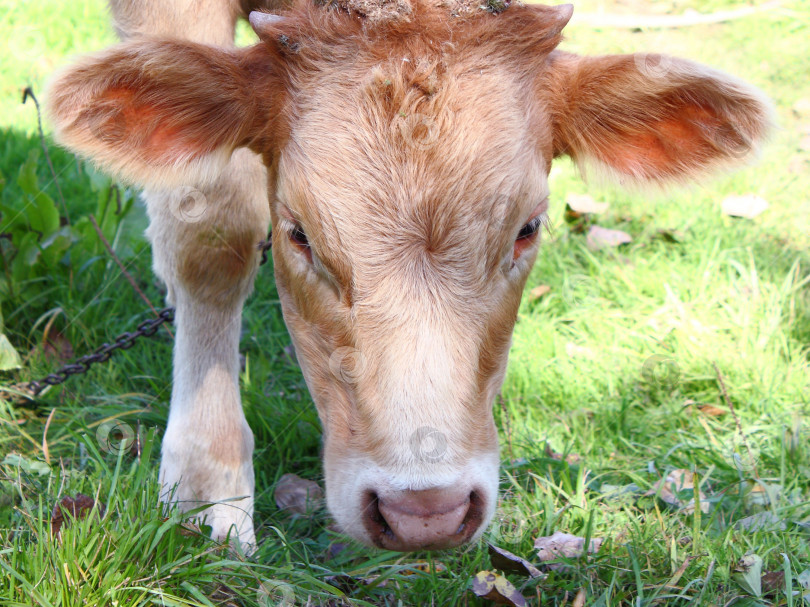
(652, 118)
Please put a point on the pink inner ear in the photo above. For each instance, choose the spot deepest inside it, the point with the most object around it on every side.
(121, 119)
(667, 147)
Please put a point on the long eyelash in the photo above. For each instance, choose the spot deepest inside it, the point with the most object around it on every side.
(291, 228)
(531, 228)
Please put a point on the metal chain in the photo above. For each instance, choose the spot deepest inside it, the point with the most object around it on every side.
(123, 342)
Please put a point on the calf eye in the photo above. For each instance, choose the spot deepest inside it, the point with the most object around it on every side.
(298, 236)
(530, 229)
(300, 241)
(529, 232)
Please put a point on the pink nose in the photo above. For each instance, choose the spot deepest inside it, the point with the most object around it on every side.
(422, 520)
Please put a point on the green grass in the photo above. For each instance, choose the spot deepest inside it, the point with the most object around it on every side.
(730, 293)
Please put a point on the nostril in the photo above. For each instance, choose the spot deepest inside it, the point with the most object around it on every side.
(474, 517)
(373, 520)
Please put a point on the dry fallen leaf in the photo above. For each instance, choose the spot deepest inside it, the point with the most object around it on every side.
(584, 204)
(538, 292)
(496, 588)
(506, 561)
(418, 567)
(599, 238)
(58, 349)
(760, 521)
(564, 545)
(772, 582)
(712, 410)
(676, 488)
(579, 599)
(747, 206)
(72, 508)
(297, 494)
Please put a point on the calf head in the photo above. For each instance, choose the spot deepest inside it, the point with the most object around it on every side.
(407, 148)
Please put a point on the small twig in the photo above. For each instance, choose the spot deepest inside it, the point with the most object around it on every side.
(28, 92)
(45, 450)
(605, 20)
(730, 405)
(124, 271)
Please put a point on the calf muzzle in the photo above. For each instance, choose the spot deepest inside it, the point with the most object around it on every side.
(430, 519)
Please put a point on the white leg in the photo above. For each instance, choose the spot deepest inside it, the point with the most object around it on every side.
(205, 250)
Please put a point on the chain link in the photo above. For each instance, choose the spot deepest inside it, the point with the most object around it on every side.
(123, 342)
(102, 354)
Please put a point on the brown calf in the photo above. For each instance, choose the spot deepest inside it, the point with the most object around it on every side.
(401, 150)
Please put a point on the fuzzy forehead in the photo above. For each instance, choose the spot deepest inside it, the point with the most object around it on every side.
(413, 147)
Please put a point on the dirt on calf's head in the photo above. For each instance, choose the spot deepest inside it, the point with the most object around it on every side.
(382, 11)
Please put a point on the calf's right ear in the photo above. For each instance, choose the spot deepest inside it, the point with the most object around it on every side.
(162, 113)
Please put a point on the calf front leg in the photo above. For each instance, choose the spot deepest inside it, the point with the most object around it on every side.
(205, 249)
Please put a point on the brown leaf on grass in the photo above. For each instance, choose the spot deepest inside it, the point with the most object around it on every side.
(584, 204)
(418, 567)
(705, 408)
(538, 292)
(496, 588)
(297, 494)
(772, 582)
(58, 349)
(600, 238)
(693, 406)
(676, 489)
(506, 561)
(579, 599)
(746, 206)
(712, 411)
(69, 508)
(564, 545)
